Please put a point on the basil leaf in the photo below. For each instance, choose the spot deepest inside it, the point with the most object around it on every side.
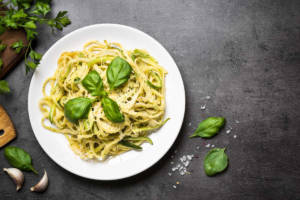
(4, 88)
(18, 158)
(112, 110)
(77, 108)
(93, 84)
(209, 127)
(118, 72)
(129, 144)
(215, 161)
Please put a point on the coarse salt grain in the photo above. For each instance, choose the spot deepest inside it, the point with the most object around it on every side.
(207, 146)
(190, 123)
(212, 146)
(174, 186)
(170, 174)
(228, 131)
(197, 147)
(203, 107)
(235, 136)
(172, 163)
(237, 121)
(207, 97)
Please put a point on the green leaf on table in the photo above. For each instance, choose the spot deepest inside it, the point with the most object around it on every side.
(2, 47)
(2, 29)
(18, 46)
(1, 63)
(35, 55)
(18, 158)
(215, 161)
(41, 8)
(209, 127)
(4, 88)
(30, 25)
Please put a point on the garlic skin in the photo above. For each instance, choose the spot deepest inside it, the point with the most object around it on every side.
(16, 175)
(42, 185)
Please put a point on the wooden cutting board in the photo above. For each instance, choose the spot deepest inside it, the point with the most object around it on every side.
(7, 130)
(9, 57)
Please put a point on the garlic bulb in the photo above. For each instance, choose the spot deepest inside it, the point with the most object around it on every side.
(16, 175)
(42, 185)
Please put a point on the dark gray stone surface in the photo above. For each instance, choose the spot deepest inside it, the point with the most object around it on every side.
(244, 54)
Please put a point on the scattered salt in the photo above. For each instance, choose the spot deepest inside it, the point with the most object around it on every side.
(212, 146)
(207, 146)
(184, 162)
(203, 107)
(207, 97)
(174, 186)
(170, 174)
(172, 163)
(197, 147)
(235, 136)
(228, 130)
(237, 121)
(190, 123)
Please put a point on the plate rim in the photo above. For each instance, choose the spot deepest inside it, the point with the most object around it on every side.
(181, 118)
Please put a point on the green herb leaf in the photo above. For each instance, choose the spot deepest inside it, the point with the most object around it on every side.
(1, 63)
(18, 46)
(93, 84)
(31, 65)
(118, 72)
(77, 108)
(41, 8)
(129, 144)
(30, 25)
(209, 127)
(2, 47)
(31, 34)
(19, 158)
(215, 161)
(112, 110)
(35, 55)
(2, 29)
(4, 88)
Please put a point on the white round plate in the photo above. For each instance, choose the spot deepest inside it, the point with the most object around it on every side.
(132, 162)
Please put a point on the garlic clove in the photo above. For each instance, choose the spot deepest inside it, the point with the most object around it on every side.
(16, 175)
(42, 185)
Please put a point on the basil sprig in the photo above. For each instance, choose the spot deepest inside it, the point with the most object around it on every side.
(19, 158)
(112, 110)
(118, 72)
(77, 108)
(93, 84)
(209, 127)
(215, 161)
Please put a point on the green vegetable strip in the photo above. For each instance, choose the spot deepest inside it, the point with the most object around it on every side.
(131, 145)
(156, 77)
(139, 139)
(150, 128)
(52, 113)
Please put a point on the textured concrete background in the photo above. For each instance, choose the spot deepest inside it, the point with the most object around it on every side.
(244, 54)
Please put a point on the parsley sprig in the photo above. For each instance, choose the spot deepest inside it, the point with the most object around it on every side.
(26, 14)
